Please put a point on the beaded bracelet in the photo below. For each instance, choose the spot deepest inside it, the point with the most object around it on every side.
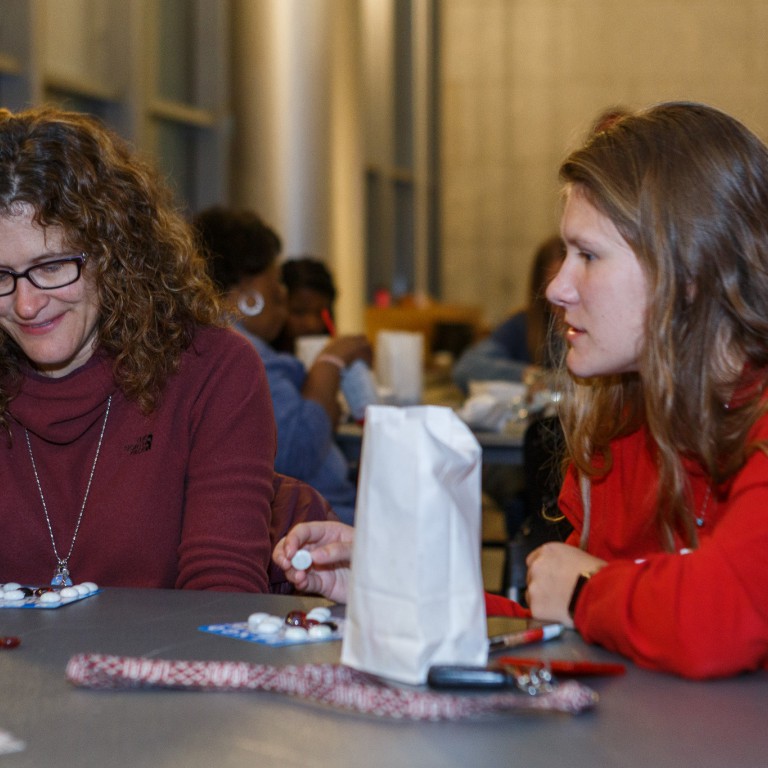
(332, 359)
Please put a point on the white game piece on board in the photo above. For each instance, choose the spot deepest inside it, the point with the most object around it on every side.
(295, 633)
(320, 613)
(11, 586)
(320, 631)
(271, 625)
(69, 592)
(51, 598)
(255, 619)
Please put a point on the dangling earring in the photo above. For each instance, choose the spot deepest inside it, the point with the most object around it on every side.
(251, 303)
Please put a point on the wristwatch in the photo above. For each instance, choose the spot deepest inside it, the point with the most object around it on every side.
(580, 582)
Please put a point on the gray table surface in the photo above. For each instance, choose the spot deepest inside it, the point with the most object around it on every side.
(642, 719)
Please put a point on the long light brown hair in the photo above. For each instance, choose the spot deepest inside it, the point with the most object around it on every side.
(687, 187)
(151, 282)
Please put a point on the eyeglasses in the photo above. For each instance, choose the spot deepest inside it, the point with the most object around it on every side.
(46, 276)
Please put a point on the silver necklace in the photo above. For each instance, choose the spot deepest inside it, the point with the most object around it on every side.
(61, 575)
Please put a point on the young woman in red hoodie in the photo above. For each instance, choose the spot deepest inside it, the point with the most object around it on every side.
(663, 295)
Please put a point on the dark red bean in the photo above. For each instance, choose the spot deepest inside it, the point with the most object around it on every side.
(296, 619)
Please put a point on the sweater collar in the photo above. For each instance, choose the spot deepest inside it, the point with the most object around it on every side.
(60, 410)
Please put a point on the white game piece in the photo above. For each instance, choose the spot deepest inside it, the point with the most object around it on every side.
(255, 619)
(49, 597)
(11, 586)
(320, 631)
(82, 590)
(90, 586)
(302, 560)
(68, 592)
(296, 633)
(320, 613)
(12, 595)
(271, 625)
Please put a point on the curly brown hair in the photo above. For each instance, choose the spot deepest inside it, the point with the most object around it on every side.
(152, 285)
(687, 187)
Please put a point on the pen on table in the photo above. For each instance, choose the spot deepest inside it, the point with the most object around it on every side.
(564, 667)
(524, 637)
(325, 314)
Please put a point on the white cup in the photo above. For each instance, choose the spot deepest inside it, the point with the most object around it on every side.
(309, 347)
(400, 364)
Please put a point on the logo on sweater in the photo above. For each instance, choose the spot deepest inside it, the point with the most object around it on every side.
(140, 445)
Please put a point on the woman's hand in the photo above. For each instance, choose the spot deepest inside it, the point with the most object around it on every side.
(323, 378)
(331, 546)
(350, 348)
(553, 570)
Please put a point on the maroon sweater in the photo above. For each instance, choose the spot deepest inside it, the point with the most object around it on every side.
(179, 498)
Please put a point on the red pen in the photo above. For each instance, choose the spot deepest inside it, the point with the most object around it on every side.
(565, 667)
(524, 637)
(325, 314)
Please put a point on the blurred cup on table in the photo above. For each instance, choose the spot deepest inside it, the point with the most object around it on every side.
(400, 365)
(497, 406)
(309, 347)
(507, 392)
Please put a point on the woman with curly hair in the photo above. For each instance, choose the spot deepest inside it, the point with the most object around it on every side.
(138, 431)
(663, 292)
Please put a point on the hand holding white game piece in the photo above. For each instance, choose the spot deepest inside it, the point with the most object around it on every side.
(302, 560)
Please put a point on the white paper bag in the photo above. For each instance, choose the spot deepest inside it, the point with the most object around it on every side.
(415, 596)
(400, 364)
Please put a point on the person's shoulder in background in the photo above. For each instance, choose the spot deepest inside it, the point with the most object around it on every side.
(502, 356)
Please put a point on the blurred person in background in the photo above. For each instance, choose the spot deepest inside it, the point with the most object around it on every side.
(243, 255)
(311, 296)
(517, 350)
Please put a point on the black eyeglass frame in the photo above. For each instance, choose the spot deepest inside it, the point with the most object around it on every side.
(78, 259)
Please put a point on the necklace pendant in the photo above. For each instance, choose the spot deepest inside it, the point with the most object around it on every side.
(61, 576)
